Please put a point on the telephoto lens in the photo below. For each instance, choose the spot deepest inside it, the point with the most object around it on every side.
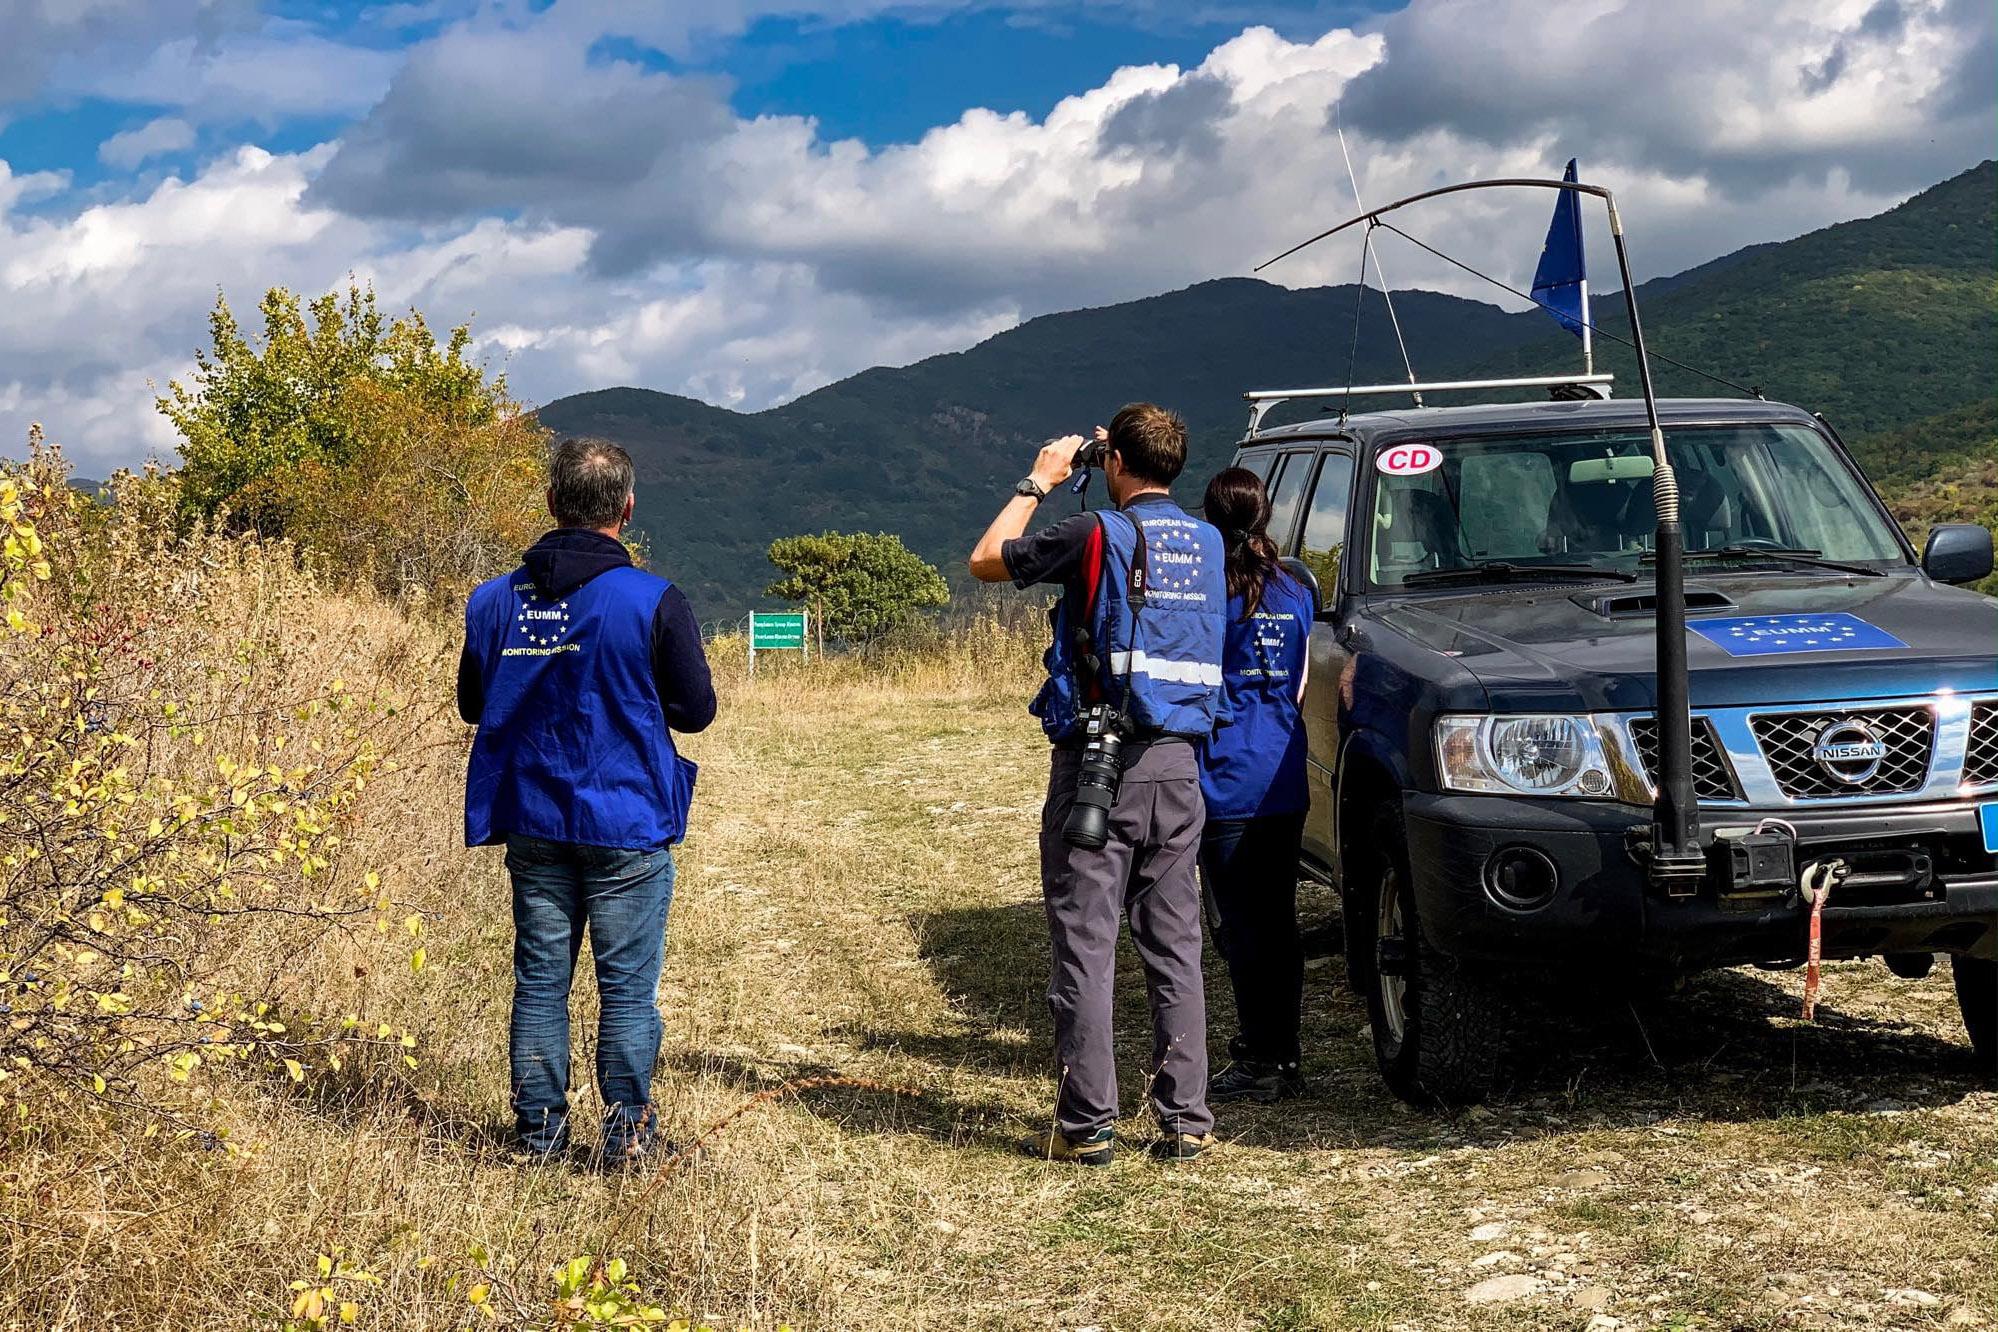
(1096, 781)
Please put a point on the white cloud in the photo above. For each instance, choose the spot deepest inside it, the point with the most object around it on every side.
(125, 150)
(37, 36)
(609, 223)
(268, 77)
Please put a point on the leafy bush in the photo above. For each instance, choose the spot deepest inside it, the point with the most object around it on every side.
(380, 454)
(858, 585)
(167, 790)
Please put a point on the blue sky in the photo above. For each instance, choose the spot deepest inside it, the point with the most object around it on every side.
(741, 200)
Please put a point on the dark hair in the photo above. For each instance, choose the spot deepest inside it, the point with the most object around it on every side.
(1237, 504)
(588, 483)
(1150, 441)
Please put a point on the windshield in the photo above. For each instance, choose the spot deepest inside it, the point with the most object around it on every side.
(1569, 499)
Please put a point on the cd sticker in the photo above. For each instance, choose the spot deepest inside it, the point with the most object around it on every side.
(1408, 460)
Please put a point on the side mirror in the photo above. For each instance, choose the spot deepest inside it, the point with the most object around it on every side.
(1957, 553)
(1301, 571)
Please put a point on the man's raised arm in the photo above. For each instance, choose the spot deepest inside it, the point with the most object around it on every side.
(1051, 468)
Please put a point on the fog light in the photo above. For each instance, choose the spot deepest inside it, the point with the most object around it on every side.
(1521, 878)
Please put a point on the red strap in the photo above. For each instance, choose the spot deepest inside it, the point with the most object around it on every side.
(1092, 570)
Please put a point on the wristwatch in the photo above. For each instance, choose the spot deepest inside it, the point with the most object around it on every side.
(1031, 488)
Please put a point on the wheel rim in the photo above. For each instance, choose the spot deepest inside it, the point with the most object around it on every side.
(1389, 925)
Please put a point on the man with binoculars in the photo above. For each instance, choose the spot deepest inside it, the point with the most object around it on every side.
(1134, 683)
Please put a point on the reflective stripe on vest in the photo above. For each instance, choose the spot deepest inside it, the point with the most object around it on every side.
(1140, 662)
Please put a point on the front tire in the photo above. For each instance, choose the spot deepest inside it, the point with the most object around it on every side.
(1438, 1026)
(1977, 995)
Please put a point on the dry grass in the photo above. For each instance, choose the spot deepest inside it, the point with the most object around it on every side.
(859, 899)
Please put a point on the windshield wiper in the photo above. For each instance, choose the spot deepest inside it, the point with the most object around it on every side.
(1502, 569)
(1781, 554)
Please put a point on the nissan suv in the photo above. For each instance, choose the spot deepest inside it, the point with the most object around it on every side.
(1482, 695)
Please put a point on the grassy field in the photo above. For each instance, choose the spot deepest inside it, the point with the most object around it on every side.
(859, 901)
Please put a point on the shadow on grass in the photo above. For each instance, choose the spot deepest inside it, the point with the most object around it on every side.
(1722, 1050)
(875, 1105)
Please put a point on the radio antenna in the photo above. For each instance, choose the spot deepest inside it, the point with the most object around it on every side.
(1387, 289)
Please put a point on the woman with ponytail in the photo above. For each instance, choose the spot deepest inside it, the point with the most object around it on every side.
(1252, 776)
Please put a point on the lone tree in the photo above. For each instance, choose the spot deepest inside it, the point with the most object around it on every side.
(385, 455)
(858, 585)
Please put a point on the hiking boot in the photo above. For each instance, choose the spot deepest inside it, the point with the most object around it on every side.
(1094, 1149)
(1180, 1146)
(1253, 1080)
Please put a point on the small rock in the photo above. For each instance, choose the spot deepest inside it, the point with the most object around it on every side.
(1701, 1218)
(1963, 1316)
(1477, 1114)
(1489, 1231)
(1580, 1179)
(1886, 1105)
(1591, 1297)
(1503, 1289)
(1494, 1258)
(1919, 1299)
(1602, 1323)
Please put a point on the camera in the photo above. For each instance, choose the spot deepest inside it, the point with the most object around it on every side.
(1092, 454)
(1104, 731)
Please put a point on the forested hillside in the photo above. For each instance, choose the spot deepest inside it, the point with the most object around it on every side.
(1886, 324)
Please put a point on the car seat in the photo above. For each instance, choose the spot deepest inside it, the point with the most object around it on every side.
(1422, 533)
(1704, 510)
(1588, 516)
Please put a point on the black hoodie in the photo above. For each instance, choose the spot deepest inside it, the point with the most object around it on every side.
(569, 557)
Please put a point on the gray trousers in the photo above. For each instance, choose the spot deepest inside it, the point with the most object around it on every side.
(1146, 873)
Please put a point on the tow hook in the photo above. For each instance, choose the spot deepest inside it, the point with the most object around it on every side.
(1820, 877)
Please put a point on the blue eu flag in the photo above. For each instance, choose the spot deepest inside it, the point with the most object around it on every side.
(1767, 635)
(1560, 284)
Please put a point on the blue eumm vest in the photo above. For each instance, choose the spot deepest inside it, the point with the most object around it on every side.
(572, 745)
(1171, 649)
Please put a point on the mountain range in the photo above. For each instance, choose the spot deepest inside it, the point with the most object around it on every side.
(1885, 324)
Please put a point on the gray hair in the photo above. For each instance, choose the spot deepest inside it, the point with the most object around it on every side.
(588, 483)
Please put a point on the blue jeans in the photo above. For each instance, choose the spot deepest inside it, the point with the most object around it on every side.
(623, 897)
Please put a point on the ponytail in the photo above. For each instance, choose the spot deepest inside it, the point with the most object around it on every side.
(1237, 504)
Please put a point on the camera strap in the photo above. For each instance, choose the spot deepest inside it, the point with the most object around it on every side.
(1134, 596)
(1088, 660)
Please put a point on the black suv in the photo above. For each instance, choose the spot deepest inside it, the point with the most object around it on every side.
(1482, 694)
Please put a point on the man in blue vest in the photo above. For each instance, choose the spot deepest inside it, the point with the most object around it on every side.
(577, 670)
(1138, 629)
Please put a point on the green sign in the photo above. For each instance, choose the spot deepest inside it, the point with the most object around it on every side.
(783, 629)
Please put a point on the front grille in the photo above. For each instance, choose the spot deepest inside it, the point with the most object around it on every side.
(1712, 778)
(1980, 758)
(1789, 739)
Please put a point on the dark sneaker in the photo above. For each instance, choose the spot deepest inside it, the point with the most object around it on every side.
(1096, 1149)
(1180, 1146)
(1252, 1080)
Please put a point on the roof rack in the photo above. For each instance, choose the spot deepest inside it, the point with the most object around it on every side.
(1261, 401)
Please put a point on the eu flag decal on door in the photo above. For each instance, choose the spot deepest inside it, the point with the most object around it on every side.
(1767, 635)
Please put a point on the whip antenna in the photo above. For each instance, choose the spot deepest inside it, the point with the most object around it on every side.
(1387, 290)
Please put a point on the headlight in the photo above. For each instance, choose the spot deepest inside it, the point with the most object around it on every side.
(1525, 755)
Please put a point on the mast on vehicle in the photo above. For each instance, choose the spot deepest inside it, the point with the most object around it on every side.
(1678, 862)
